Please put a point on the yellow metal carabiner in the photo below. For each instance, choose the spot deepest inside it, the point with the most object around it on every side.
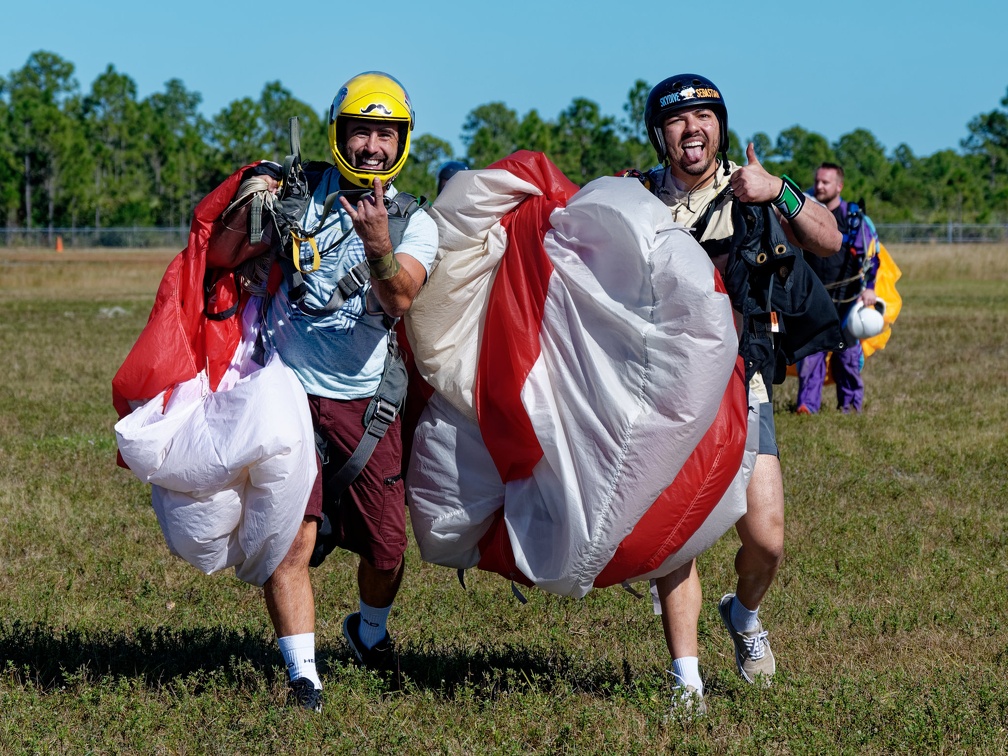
(296, 242)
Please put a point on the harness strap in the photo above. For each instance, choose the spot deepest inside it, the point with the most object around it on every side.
(209, 282)
(294, 132)
(255, 219)
(704, 220)
(382, 418)
(378, 417)
(346, 287)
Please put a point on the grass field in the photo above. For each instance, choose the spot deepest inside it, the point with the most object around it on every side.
(888, 618)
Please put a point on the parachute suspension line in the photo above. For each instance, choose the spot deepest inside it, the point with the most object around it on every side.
(631, 590)
(518, 594)
(252, 185)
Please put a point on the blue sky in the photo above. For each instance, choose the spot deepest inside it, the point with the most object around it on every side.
(912, 73)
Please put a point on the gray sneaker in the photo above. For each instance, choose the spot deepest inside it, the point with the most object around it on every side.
(752, 650)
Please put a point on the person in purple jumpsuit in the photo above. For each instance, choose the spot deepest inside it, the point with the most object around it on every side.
(849, 278)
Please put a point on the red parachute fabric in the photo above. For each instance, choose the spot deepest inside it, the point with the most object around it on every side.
(179, 340)
(513, 319)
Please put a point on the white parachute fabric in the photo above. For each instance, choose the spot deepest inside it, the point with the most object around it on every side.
(445, 322)
(636, 349)
(230, 470)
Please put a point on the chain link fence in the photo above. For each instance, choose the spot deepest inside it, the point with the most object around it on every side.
(942, 233)
(177, 238)
(137, 237)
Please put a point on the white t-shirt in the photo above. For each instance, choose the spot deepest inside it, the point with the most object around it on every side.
(687, 206)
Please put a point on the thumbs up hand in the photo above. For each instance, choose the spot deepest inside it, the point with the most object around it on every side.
(752, 183)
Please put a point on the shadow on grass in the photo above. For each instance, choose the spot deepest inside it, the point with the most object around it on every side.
(50, 658)
(488, 671)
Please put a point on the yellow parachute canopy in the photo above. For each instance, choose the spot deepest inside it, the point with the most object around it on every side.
(885, 288)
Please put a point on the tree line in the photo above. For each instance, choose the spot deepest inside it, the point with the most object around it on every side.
(105, 158)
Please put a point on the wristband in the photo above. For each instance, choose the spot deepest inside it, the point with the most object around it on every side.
(791, 200)
(384, 267)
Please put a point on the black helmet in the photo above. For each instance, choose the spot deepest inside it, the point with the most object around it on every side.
(447, 170)
(683, 92)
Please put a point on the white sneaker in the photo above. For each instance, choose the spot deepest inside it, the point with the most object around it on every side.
(687, 703)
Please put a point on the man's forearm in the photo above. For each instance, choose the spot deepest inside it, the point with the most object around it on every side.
(815, 229)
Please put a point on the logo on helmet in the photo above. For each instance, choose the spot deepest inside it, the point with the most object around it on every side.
(376, 106)
(689, 93)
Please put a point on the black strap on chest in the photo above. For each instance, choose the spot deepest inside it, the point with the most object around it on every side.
(713, 247)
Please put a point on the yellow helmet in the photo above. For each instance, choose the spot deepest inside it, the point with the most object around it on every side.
(372, 96)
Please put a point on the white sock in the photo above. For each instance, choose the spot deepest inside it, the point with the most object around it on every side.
(298, 653)
(686, 671)
(744, 620)
(373, 621)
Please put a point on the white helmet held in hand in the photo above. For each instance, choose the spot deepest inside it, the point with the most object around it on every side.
(864, 322)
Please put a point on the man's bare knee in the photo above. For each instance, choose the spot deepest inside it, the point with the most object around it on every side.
(300, 551)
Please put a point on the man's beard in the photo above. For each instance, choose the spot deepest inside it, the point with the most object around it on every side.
(698, 169)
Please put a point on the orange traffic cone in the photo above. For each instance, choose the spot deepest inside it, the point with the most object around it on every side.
(59, 243)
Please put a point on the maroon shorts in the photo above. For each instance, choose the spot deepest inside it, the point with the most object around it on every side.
(370, 517)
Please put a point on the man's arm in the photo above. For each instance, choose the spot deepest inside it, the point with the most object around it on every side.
(814, 228)
(395, 278)
(869, 237)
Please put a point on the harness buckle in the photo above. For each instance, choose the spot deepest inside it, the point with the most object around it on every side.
(358, 277)
(385, 412)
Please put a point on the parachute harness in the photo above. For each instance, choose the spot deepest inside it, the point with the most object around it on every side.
(856, 218)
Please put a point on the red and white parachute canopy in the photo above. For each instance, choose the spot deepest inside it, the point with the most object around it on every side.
(589, 418)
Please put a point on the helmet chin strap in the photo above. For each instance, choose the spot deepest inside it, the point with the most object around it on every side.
(722, 149)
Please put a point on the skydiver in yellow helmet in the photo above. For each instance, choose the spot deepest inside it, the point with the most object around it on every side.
(336, 337)
(366, 105)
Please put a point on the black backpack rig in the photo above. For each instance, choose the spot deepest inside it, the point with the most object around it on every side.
(786, 312)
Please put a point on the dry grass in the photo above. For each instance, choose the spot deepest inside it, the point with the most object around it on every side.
(82, 274)
(938, 262)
